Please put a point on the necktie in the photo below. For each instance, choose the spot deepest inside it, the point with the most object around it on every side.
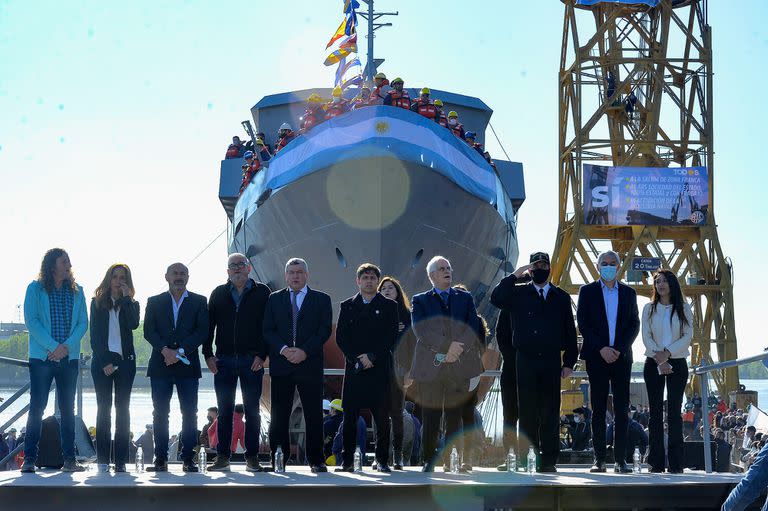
(294, 315)
(541, 294)
(444, 298)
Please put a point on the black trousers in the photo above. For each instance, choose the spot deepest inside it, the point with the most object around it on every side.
(310, 389)
(538, 384)
(122, 383)
(508, 385)
(468, 423)
(397, 400)
(675, 384)
(445, 394)
(380, 414)
(603, 376)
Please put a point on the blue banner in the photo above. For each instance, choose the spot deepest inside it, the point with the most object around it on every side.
(645, 195)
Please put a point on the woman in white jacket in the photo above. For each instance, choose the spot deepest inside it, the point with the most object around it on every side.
(667, 324)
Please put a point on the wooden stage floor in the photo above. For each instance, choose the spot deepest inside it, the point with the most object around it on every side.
(571, 488)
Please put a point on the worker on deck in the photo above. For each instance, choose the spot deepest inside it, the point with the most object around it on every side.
(454, 125)
(469, 138)
(337, 106)
(284, 135)
(398, 96)
(441, 117)
(382, 88)
(250, 168)
(313, 114)
(235, 149)
(362, 99)
(424, 106)
(262, 152)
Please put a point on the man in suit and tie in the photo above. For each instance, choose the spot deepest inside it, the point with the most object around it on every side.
(366, 332)
(544, 337)
(297, 322)
(444, 320)
(176, 324)
(608, 322)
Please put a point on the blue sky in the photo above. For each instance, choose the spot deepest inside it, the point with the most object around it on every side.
(114, 116)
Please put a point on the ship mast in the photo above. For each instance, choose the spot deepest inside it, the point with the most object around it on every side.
(371, 17)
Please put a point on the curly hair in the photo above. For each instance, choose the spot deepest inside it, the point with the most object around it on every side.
(48, 267)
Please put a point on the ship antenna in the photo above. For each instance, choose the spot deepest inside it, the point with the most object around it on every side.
(371, 17)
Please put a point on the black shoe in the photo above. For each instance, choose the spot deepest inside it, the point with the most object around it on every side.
(397, 459)
(428, 468)
(160, 466)
(252, 464)
(598, 467)
(28, 467)
(73, 466)
(318, 469)
(120, 467)
(465, 468)
(220, 465)
(548, 470)
(397, 466)
(655, 470)
(674, 470)
(502, 467)
(346, 468)
(384, 468)
(622, 468)
(189, 466)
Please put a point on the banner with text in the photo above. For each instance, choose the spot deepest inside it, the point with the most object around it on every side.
(645, 195)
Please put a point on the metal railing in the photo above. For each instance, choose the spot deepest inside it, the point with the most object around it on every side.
(703, 371)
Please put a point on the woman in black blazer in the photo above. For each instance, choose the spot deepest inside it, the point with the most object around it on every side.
(391, 288)
(114, 317)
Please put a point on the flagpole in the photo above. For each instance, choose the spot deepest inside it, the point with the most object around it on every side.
(371, 62)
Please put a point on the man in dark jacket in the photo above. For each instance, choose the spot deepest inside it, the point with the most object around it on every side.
(608, 322)
(236, 313)
(543, 328)
(508, 382)
(176, 324)
(297, 323)
(581, 432)
(444, 320)
(366, 332)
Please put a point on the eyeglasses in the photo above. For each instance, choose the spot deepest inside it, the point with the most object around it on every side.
(238, 266)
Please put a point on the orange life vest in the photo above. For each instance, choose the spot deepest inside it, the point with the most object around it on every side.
(400, 99)
(426, 109)
(443, 120)
(313, 116)
(284, 141)
(335, 109)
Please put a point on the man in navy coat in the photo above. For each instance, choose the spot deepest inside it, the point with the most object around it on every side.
(176, 324)
(297, 323)
(447, 355)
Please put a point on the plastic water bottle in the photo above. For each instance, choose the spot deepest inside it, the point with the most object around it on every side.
(511, 461)
(139, 460)
(279, 460)
(358, 460)
(203, 460)
(636, 461)
(454, 461)
(531, 461)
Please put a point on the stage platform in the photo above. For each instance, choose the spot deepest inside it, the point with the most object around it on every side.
(572, 488)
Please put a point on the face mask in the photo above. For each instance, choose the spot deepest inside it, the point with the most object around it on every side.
(452, 121)
(608, 273)
(539, 275)
(577, 419)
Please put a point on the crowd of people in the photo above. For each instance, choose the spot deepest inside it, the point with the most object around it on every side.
(430, 347)
(318, 110)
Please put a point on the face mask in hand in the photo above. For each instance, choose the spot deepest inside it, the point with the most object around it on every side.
(608, 273)
(539, 275)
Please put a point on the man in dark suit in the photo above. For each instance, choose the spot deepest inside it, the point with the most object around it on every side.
(444, 320)
(508, 382)
(608, 322)
(366, 332)
(297, 322)
(543, 328)
(176, 324)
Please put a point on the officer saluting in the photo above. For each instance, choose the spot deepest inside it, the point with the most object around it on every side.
(543, 328)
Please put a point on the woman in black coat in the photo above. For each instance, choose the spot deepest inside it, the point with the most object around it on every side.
(114, 317)
(390, 288)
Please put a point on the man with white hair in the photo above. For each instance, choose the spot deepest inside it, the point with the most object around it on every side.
(297, 322)
(444, 320)
(609, 322)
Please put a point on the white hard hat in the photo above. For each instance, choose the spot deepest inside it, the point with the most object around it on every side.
(285, 126)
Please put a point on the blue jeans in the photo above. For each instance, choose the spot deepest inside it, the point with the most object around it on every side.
(749, 489)
(230, 369)
(162, 390)
(41, 374)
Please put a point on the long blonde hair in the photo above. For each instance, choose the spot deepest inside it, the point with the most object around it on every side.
(103, 293)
